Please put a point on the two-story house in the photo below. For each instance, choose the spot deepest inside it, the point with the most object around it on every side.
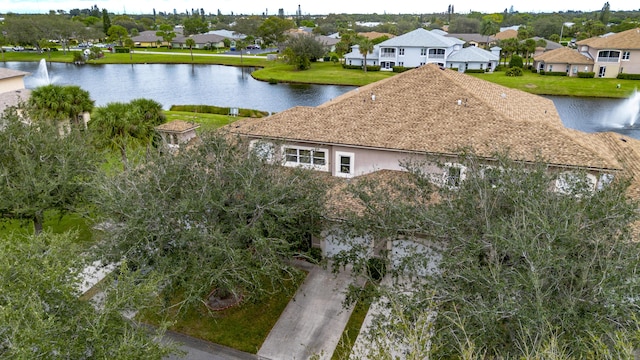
(614, 53)
(420, 47)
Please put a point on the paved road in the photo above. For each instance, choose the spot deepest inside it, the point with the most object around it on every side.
(196, 349)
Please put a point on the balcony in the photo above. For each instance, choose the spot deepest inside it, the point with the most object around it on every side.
(436, 56)
(388, 55)
(608, 59)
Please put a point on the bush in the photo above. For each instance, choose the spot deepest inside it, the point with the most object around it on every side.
(500, 68)
(208, 109)
(516, 61)
(534, 71)
(555, 73)
(399, 69)
(516, 71)
(359, 67)
(474, 71)
(586, 74)
(542, 72)
(121, 50)
(377, 268)
(628, 76)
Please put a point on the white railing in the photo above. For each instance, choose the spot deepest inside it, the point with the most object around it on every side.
(608, 59)
(436, 56)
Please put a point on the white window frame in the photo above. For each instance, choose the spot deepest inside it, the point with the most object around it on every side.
(445, 174)
(338, 164)
(423, 52)
(604, 180)
(626, 55)
(311, 165)
(401, 52)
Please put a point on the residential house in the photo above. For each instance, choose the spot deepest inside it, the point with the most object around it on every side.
(372, 35)
(480, 40)
(420, 47)
(507, 34)
(202, 41)
(429, 114)
(413, 49)
(563, 59)
(176, 133)
(549, 45)
(148, 38)
(12, 89)
(614, 53)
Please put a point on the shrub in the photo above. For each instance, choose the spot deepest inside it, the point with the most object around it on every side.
(516, 61)
(586, 74)
(474, 71)
(500, 68)
(534, 71)
(359, 67)
(399, 69)
(542, 72)
(628, 76)
(121, 50)
(515, 71)
(556, 73)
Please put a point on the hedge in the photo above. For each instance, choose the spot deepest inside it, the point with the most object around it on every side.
(121, 50)
(500, 68)
(555, 73)
(399, 69)
(628, 76)
(359, 67)
(474, 71)
(208, 109)
(586, 74)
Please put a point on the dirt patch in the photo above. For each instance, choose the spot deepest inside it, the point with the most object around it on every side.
(531, 86)
(222, 299)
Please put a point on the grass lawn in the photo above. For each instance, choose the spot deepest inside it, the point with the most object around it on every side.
(563, 85)
(320, 73)
(351, 330)
(53, 223)
(244, 327)
(206, 121)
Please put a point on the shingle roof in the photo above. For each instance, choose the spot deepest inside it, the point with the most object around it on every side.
(507, 34)
(550, 45)
(374, 35)
(10, 73)
(479, 38)
(421, 38)
(147, 36)
(438, 111)
(13, 98)
(564, 56)
(473, 54)
(177, 126)
(629, 39)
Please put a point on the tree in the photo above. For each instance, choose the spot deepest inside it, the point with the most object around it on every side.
(42, 316)
(62, 104)
(129, 44)
(529, 47)
(605, 13)
(106, 21)
(301, 49)
(190, 43)
(464, 25)
(166, 33)
(248, 25)
(212, 216)
(272, 30)
(504, 267)
(117, 125)
(488, 28)
(41, 170)
(509, 47)
(365, 48)
(194, 25)
(347, 40)
(117, 33)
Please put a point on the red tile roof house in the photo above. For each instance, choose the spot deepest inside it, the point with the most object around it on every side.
(614, 53)
(431, 113)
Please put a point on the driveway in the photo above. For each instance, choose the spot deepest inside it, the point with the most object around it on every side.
(314, 319)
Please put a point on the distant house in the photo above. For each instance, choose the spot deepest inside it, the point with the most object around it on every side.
(474, 58)
(177, 133)
(201, 41)
(563, 59)
(475, 39)
(549, 45)
(507, 34)
(420, 47)
(614, 53)
(12, 89)
(371, 35)
(148, 39)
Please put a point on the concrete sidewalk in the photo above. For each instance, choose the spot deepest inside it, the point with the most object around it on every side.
(314, 319)
(196, 349)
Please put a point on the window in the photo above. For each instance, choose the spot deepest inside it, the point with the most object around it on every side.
(575, 69)
(604, 181)
(345, 166)
(453, 175)
(423, 52)
(550, 68)
(264, 150)
(436, 53)
(608, 56)
(626, 55)
(306, 157)
(400, 63)
(569, 183)
(401, 51)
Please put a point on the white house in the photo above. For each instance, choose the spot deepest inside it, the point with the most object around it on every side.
(420, 47)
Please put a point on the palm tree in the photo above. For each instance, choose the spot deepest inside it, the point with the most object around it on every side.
(529, 47)
(59, 103)
(489, 27)
(190, 43)
(365, 47)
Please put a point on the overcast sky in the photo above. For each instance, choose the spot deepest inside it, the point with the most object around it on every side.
(312, 7)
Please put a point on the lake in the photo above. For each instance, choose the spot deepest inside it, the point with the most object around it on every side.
(230, 86)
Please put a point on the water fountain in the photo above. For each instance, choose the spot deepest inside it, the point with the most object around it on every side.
(41, 77)
(627, 114)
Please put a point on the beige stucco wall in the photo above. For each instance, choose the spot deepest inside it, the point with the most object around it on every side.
(631, 66)
(11, 84)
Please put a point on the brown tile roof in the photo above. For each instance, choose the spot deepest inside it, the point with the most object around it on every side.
(177, 126)
(629, 39)
(436, 111)
(507, 34)
(13, 98)
(564, 56)
(10, 73)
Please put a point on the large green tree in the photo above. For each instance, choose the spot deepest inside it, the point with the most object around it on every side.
(59, 103)
(166, 33)
(273, 30)
(366, 48)
(42, 316)
(118, 34)
(504, 267)
(302, 49)
(41, 170)
(212, 216)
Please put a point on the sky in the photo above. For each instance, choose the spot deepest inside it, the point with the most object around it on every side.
(312, 7)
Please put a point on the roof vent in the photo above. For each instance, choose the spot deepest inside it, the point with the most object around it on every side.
(459, 102)
(503, 95)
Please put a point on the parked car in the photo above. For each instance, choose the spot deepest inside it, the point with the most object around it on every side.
(253, 46)
(17, 48)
